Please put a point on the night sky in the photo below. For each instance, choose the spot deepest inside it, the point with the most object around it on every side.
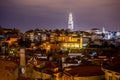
(53, 14)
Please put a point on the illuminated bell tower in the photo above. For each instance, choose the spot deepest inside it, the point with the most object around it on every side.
(70, 22)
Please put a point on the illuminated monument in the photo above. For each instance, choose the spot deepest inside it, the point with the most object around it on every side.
(70, 22)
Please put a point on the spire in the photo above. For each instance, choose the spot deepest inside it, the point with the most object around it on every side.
(103, 30)
(70, 22)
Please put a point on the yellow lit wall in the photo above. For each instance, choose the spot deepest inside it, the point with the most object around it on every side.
(42, 75)
(73, 43)
(111, 75)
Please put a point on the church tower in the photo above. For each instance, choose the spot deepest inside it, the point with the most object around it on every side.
(70, 22)
(103, 30)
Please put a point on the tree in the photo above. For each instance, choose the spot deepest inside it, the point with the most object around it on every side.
(24, 43)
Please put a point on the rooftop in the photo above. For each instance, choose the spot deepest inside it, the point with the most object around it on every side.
(83, 71)
(112, 64)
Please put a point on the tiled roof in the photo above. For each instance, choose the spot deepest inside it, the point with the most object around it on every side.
(7, 64)
(50, 64)
(82, 71)
(112, 64)
(47, 68)
(47, 71)
(7, 70)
